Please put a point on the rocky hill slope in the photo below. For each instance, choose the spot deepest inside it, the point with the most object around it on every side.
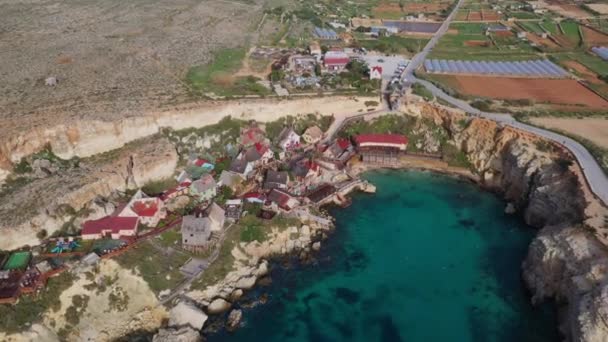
(67, 195)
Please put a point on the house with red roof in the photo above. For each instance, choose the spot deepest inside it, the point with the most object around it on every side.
(258, 154)
(335, 61)
(375, 73)
(149, 210)
(110, 226)
(381, 148)
(282, 199)
(252, 135)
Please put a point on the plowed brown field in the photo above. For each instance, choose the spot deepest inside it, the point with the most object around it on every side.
(563, 91)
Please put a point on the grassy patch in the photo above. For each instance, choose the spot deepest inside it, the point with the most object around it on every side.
(158, 186)
(420, 90)
(455, 157)
(160, 271)
(217, 76)
(30, 309)
(394, 44)
(171, 237)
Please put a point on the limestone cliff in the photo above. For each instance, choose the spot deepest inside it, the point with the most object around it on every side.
(49, 203)
(85, 138)
(568, 260)
(531, 173)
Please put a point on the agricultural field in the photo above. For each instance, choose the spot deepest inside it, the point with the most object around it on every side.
(565, 92)
(469, 42)
(399, 9)
(591, 128)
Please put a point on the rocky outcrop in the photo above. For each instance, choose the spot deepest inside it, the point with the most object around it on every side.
(250, 264)
(70, 195)
(234, 320)
(184, 334)
(534, 175)
(187, 314)
(571, 266)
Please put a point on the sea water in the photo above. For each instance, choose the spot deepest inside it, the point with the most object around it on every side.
(426, 258)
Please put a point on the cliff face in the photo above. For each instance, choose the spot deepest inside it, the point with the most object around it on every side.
(85, 138)
(48, 203)
(531, 173)
(568, 260)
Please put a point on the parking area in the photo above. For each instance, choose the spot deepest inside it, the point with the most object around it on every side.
(389, 64)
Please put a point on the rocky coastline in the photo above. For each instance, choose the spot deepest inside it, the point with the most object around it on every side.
(566, 262)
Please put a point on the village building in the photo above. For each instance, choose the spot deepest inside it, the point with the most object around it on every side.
(184, 178)
(201, 232)
(204, 189)
(346, 37)
(375, 73)
(321, 192)
(282, 199)
(276, 180)
(340, 150)
(196, 234)
(149, 210)
(381, 148)
(312, 134)
(252, 135)
(254, 197)
(288, 139)
(234, 209)
(203, 164)
(325, 34)
(44, 266)
(217, 216)
(305, 169)
(300, 65)
(182, 189)
(229, 179)
(315, 49)
(257, 155)
(110, 226)
(241, 167)
(335, 61)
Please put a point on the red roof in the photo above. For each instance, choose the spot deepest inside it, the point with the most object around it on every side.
(114, 224)
(336, 60)
(343, 143)
(311, 165)
(200, 162)
(145, 208)
(381, 139)
(377, 68)
(252, 195)
(261, 148)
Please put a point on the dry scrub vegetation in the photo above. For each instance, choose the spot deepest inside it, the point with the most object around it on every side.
(111, 58)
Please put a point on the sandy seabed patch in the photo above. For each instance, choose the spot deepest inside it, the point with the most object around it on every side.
(594, 129)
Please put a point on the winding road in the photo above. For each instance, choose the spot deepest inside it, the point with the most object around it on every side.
(596, 178)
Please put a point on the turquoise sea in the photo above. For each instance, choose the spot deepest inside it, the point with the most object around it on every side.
(426, 258)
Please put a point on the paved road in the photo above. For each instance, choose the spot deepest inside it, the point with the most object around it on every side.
(596, 178)
(421, 56)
